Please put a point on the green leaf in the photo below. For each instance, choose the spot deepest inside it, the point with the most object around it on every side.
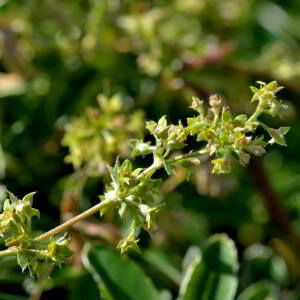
(12, 197)
(123, 278)
(168, 167)
(221, 165)
(278, 135)
(226, 114)
(254, 89)
(7, 205)
(141, 148)
(22, 260)
(160, 261)
(126, 167)
(29, 197)
(262, 263)
(215, 276)
(242, 119)
(84, 287)
(262, 290)
(271, 86)
(190, 280)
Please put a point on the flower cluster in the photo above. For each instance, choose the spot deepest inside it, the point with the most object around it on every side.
(15, 232)
(97, 137)
(231, 139)
(227, 139)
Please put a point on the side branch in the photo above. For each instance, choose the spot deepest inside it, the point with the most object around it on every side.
(69, 223)
(110, 203)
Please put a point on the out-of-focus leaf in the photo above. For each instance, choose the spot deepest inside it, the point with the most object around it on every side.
(261, 263)
(215, 276)
(192, 253)
(84, 287)
(262, 290)
(121, 277)
(159, 260)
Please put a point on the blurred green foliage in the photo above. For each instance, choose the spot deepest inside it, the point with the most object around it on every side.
(56, 57)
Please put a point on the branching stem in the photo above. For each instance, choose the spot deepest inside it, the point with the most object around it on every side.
(84, 215)
(111, 203)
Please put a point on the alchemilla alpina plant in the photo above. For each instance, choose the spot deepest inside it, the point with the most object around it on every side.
(135, 192)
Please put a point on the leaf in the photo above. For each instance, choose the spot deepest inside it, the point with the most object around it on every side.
(84, 287)
(254, 89)
(168, 167)
(123, 278)
(242, 119)
(12, 197)
(271, 86)
(115, 172)
(141, 148)
(226, 114)
(29, 197)
(261, 290)
(126, 167)
(160, 261)
(22, 260)
(262, 263)
(190, 280)
(215, 276)
(277, 135)
(221, 165)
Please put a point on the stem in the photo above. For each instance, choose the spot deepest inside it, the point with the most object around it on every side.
(8, 252)
(104, 204)
(78, 218)
(189, 155)
(255, 114)
(155, 166)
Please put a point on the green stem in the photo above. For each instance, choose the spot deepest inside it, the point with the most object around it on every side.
(255, 115)
(85, 214)
(107, 203)
(189, 155)
(8, 252)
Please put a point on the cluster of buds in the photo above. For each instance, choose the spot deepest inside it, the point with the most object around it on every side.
(98, 136)
(15, 231)
(231, 139)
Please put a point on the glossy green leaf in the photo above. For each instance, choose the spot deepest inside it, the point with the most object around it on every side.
(84, 287)
(121, 277)
(214, 277)
(261, 263)
(159, 260)
(262, 290)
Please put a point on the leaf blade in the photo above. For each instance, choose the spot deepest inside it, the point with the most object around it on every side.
(214, 277)
(123, 278)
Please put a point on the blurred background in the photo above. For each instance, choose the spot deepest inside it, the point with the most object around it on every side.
(78, 79)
